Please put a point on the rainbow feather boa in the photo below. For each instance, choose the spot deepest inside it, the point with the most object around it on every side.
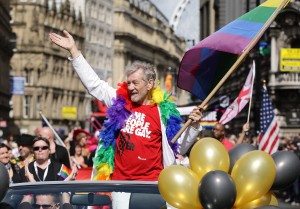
(117, 115)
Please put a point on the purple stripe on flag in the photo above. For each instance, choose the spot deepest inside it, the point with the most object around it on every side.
(225, 42)
(192, 73)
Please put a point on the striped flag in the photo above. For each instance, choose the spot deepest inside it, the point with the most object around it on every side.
(240, 102)
(205, 65)
(64, 171)
(269, 129)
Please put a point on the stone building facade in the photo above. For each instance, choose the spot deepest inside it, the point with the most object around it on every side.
(99, 36)
(51, 85)
(113, 35)
(7, 44)
(142, 33)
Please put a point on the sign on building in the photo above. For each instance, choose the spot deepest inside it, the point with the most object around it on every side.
(17, 85)
(293, 118)
(290, 60)
(69, 113)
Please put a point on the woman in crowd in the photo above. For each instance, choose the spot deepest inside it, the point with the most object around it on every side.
(43, 168)
(78, 159)
(13, 169)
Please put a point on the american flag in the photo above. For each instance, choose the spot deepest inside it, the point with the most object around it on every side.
(269, 130)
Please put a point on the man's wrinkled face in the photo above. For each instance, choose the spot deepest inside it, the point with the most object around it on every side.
(138, 87)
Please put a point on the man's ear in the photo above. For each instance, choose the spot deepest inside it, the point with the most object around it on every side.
(150, 84)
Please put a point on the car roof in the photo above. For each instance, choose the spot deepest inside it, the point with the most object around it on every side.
(85, 186)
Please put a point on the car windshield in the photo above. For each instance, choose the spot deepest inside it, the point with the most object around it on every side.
(79, 194)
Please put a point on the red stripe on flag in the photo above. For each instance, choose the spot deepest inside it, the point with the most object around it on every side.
(268, 141)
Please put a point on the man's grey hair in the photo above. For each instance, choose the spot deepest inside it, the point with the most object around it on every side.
(148, 68)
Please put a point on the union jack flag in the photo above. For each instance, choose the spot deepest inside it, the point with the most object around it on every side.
(240, 102)
(269, 129)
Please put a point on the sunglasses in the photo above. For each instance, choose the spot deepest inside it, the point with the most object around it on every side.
(35, 206)
(40, 148)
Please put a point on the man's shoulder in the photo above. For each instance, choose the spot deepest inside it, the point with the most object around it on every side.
(59, 147)
(226, 141)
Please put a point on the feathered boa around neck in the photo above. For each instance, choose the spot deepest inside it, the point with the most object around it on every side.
(117, 114)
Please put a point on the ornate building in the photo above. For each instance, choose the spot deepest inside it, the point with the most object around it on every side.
(51, 85)
(7, 44)
(99, 36)
(284, 74)
(142, 33)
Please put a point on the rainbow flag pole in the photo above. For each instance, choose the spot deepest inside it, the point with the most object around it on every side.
(233, 41)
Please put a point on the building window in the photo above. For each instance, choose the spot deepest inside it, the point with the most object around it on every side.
(27, 104)
(28, 76)
(38, 106)
(101, 13)
(108, 16)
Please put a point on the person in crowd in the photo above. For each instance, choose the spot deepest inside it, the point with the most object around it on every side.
(25, 142)
(80, 137)
(219, 134)
(136, 139)
(43, 168)
(46, 201)
(13, 169)
(232, 138)
(69, 142)
(78, 159)
(242, 135)
(58, 153)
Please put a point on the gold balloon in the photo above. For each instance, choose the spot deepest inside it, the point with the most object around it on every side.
(253, 174)
(267, 199)
(208, 154)
(274, 200)
(178, 185)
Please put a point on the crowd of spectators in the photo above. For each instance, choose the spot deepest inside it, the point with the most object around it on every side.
(40, 157)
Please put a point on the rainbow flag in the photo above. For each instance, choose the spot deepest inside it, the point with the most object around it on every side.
(208, 124)
(64, 172)
(204, 65)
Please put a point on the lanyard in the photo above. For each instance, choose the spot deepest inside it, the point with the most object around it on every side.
(45, 173)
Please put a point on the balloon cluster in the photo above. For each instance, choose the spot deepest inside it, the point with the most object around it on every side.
(242, 178)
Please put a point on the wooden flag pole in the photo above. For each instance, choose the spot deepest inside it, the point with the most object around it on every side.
(233, 67)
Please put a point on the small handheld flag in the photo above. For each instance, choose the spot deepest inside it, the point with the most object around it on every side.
(64, 172)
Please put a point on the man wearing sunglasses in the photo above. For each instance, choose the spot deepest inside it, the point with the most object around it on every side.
(58, 152)
(43, 168)
(46, 201)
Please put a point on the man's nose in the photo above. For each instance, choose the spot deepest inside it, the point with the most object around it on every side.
(130, 86)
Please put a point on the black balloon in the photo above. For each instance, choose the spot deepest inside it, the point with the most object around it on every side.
(4, 182)
(237, 151)
(287, 169)
(268, 207)
(217, 190)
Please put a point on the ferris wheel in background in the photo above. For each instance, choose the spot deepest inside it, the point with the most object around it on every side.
(175, 18)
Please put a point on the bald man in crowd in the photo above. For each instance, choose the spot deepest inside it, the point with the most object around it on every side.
(219, 134)
(58, 152)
